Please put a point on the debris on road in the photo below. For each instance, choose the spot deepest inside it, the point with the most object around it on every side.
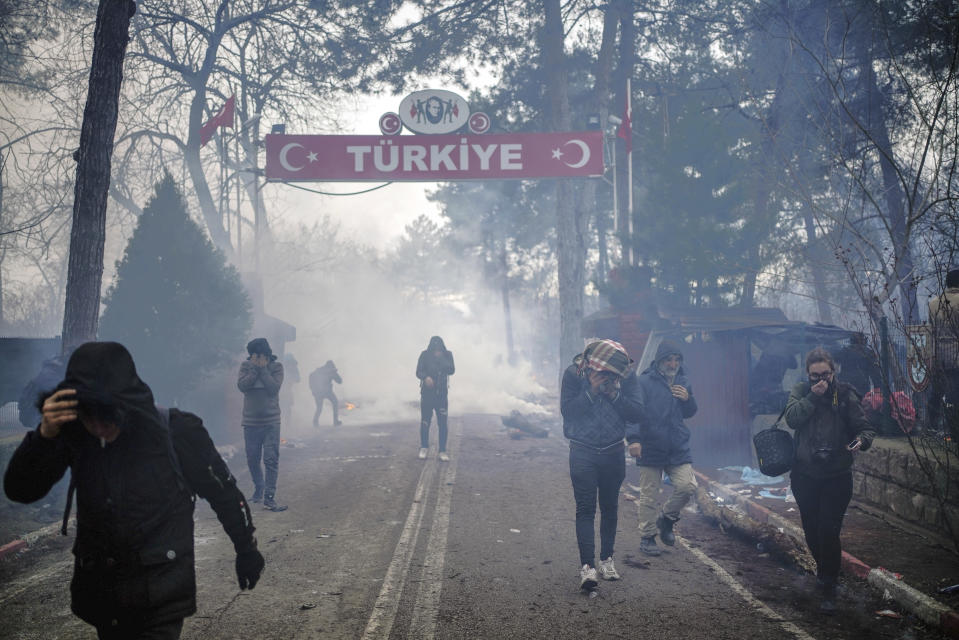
(889, 613)
(307, 605)
(518, 425)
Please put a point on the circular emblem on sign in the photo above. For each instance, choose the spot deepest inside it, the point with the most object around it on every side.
(479, 122)
(918, 356)
(433, 111)
(390, 123)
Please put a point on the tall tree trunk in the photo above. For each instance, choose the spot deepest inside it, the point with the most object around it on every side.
(570, 249)
(893, 194)
(507, 313)
(85, 269)
(815, 253)
(626, 63)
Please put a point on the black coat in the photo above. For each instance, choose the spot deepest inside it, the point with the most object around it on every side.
(663, 434)
(134, 546)
(438, 367)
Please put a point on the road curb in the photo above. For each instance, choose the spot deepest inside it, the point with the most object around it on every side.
(28, 539)
(12, 547)
(930, 611)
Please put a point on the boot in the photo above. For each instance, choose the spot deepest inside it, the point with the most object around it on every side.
(648, 546)
(827, 605)
(665, 526)
(269, 503)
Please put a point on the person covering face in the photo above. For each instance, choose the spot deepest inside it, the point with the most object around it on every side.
(135, 471)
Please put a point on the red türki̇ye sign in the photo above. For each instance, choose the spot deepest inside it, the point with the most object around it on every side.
(435, 157)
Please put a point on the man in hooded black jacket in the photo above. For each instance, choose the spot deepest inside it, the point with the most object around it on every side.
(434, 368)
(135, 471)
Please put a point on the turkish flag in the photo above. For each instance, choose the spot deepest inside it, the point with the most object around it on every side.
(223, 118)
(625, 130)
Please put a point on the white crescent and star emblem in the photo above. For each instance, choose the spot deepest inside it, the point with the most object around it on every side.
(284, 162)
(584, 149)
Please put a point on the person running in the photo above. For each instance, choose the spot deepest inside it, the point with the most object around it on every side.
(321, 386)
(830, 427)
(598, 397)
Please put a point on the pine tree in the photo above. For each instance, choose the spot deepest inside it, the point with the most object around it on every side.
(175, 303)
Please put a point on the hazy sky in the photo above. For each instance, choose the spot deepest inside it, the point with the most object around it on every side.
(375, 218)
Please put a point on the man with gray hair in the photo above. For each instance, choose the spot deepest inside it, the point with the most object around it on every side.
(660, 444)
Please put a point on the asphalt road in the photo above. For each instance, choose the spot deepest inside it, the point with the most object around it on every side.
(379, 544)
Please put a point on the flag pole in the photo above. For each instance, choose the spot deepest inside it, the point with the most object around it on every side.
(629, 174)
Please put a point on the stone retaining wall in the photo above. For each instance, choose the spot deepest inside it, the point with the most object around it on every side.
(890, 476)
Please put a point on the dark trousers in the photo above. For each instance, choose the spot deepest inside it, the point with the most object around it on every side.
(263, 442)
(164, 631)
(596, 474)
(319, 407)
(822, 505)
(430, 402)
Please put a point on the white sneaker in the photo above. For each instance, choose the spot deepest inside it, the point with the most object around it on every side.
(587, 578)
(607, 570)
(423, 453)
(444, 457)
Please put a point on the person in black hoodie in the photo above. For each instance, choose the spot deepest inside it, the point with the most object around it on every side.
(434, 368)
(597, 398)
(830, 427)
(135, 471)
(660, 444)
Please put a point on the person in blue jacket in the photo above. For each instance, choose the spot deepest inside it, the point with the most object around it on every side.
(660, 444)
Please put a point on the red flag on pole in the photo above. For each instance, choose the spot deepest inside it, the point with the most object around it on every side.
(625, 130)
(223, 118)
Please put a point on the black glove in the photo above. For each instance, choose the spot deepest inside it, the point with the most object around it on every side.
(249, 565)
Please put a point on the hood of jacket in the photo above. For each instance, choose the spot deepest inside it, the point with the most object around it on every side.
(436, 343)
(103, 374)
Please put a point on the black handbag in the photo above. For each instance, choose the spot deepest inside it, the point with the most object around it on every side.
(774, 449)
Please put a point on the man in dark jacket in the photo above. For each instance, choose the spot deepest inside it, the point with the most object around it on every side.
(434, 368)
(598, 396)
(660, 444)
(321, 386)
(135, 471)
(260, 379)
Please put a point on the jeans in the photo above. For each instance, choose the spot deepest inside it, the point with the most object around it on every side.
(430, 402)
(164, 631)
(319, 407)
(263, 442)
(822, 504)
(593, 474)
(683, 480)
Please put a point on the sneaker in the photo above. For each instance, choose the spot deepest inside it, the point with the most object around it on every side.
(423, 453)
(648, 546)
(270, 504)
(444, 457)
(665, 526)
(257, 494)
(587, 578)
(337, 423)
(607, 570)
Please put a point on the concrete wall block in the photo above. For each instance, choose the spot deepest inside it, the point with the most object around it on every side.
(876, 492)
(858, 483)
(901, 502)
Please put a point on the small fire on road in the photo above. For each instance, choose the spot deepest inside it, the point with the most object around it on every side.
(350, 406)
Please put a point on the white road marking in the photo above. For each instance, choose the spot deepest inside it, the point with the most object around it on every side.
(746, 595)
(15, 588)
(426, 608)
(384, 610)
